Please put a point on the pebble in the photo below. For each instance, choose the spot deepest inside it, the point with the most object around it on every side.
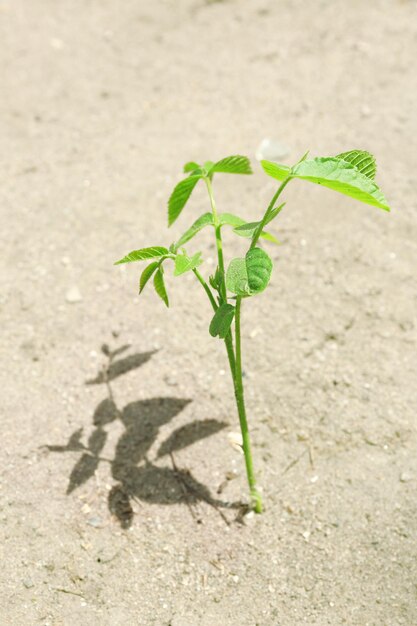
(405, 477)
(271, 150)
(73, 295)
(96, 522)
(28, 583)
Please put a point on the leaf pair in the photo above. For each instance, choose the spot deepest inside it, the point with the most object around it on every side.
(235, 164)
(240, 227)
(350, 173)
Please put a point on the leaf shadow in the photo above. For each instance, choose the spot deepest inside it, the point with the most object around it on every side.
(136, 476)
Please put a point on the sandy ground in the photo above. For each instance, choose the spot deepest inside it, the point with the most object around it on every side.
(101, 104)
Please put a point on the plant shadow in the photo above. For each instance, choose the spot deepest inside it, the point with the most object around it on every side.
(135, 475)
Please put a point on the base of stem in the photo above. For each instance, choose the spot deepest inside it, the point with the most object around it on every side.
(256, 499)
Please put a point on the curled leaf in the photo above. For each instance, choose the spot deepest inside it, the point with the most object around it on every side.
(222, 320)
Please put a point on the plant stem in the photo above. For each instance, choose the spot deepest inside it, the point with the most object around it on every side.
(263, 221)
(219, 243)
(240, 402)
(206, 289)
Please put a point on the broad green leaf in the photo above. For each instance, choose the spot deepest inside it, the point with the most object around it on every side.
(362, 160)
(248, 230)
(334, 173)
(191, 166)
(159, 285)
(179, 197)
(239, 225)
(232, 165)
(222, 320)
(251, 275)
(199, 224)
(146, 275)
(142, 254)
(184, 263)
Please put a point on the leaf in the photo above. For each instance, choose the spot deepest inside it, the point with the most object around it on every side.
(259, 267)
(222, 320)
(142, 254)
(204, 220)
(248, 230)
(179, 197)
(184, 263)
(189, 434)
(334, 173)
(275, 211)
(191, 166)
(362, 160)
(146, 275)
(232, 165)
(251, 275)
(159, 285)
(238, 223)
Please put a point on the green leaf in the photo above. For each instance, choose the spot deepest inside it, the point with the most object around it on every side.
(199, 224)
(146, 275)
(251, 275)
(248, 230)
(334, 173)
(179, 197)
(159, 284)
(222, 320)
(362, 160)
(232, 165)
(142, 254)
(259, 267)
(183, 263)
(275, 211)
(191, 166)
(239, 226)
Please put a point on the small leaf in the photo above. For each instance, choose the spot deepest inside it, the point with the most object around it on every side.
(232, 165)
(199, 224)
(191, 166)
(334, 173)
(248, 230)
(159, 285)
(362, 160)
(259, 266)
(222, 320)
(183, 263)
(142, 254)
(239, 226)
(251, 275)
(275, 211)
(237, 277)
(146, 275)
(179, 197)
(230, 220)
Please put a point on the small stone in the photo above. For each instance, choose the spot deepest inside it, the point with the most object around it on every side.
(365, 111)
(96, 522)
(73, 295)
(28, 583)
(271, 150)
(65, 260)
(405, 477)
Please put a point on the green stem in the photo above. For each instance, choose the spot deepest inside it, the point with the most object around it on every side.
(206, 289)
(219, 243)
(240, 402)
(263, 221)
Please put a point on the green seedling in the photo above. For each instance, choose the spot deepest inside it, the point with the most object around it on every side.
(350, 173)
